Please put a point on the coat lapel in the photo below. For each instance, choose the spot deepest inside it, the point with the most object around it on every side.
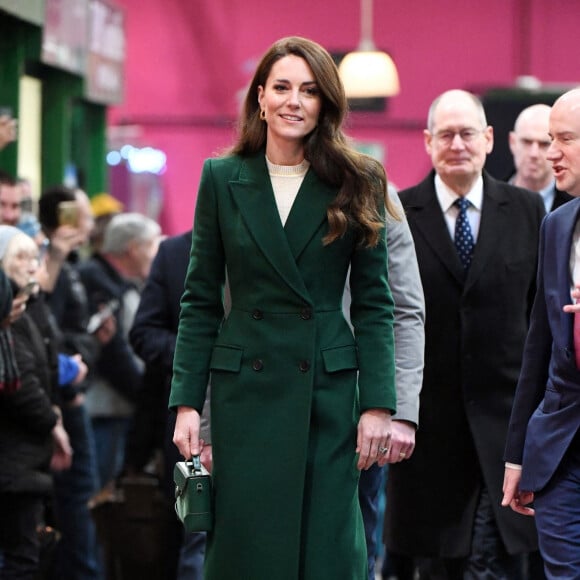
(494, 221)
(252, 193)
(431, 224)
(308, 212)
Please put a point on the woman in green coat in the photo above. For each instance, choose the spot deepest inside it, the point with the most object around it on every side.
(299, 404)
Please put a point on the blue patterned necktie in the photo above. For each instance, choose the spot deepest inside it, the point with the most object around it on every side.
(463, 236)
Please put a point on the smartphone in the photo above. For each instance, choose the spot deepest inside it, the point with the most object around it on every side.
(98, 318)
(28, 289)
(68, 213)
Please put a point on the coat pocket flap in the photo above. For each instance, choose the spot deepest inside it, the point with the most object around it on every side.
(226, 358)
(340, 358)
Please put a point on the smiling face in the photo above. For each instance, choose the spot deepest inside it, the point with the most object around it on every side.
(458, 140)
(564, 151)
(291, 103)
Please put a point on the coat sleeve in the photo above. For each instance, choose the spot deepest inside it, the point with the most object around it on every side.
(534, 372)
(30, 404)
(372, 317)
(153, 333)
(201, 305)
(409, 322)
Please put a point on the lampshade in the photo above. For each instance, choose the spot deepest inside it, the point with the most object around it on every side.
(369, 73)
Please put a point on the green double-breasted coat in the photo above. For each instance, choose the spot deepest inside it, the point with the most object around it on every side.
(285, 398)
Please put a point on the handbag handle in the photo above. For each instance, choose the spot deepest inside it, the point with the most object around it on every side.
(196, 464)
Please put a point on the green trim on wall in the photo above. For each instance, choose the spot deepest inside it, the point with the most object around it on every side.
(20, 42)
(73, 130)
(89, 146)
(59, 92)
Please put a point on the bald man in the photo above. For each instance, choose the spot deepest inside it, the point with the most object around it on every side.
(476, 240)
(529, 142)
(543, 444)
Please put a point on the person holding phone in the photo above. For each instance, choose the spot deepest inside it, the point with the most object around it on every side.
(33, 441)
(77, 552)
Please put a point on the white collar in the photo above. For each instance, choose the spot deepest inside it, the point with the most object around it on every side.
(446, 196)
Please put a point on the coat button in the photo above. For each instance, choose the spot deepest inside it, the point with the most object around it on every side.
(257, 314)
(257, 365)
(306, 314)
(304, 366)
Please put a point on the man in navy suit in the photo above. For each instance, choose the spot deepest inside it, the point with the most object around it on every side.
(543, 445)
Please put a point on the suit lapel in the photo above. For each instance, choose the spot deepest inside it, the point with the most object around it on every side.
(494, 221)
(565, 234)
(308, 212)
(252, 193)
(430, 222)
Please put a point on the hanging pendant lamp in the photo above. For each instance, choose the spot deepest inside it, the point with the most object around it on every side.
(368, 72)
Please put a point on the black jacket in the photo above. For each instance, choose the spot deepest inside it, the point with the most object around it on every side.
(26, 416)
(116, 360)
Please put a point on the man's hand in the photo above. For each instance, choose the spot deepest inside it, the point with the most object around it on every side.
(402, 441)
(512, 496)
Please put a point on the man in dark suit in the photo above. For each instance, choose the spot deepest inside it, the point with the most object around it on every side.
(543, 444)
(153, 336)
(444, 502)
(529, 142)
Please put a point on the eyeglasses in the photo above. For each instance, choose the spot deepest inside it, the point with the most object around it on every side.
(466, 135)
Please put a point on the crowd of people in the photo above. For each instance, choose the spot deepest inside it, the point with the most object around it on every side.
(359, 342)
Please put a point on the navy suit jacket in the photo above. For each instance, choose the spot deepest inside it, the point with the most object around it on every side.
(154, 329)
(546, 414)
(560, 198)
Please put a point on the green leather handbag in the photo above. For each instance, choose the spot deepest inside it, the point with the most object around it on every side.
(193, 495)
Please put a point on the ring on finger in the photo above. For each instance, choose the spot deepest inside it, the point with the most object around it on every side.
(383, 450)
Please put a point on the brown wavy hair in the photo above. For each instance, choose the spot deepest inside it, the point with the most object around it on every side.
(361, 180)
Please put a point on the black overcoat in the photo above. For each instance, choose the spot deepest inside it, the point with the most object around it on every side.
(475, 330)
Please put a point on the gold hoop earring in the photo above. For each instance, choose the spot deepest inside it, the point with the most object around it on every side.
(262, 114)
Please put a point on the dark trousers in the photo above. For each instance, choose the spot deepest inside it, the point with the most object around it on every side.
(21, 515)
(77, 552)
(558, 518)
(488, 559)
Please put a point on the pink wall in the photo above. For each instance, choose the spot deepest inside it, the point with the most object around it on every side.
(188, 62)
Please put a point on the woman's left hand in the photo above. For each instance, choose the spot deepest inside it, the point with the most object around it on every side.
(373, 437)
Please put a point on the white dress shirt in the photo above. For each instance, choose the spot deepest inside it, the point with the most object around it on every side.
(447, 197)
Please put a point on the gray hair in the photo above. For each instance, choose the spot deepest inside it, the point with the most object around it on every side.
(478, 105)
(125, 228)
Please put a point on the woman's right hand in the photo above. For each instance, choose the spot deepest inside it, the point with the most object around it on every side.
(17, 310)
(186, 434)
